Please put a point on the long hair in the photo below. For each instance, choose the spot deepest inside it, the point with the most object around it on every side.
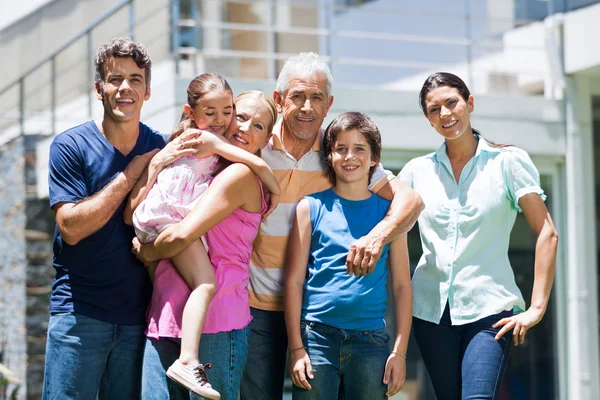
(441, 79)
(199, 87)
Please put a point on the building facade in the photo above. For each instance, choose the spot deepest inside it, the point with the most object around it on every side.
(531, 65)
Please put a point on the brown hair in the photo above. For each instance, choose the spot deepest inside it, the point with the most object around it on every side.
(345, 122)
(122, 48)
(199, 87)
(440, 79)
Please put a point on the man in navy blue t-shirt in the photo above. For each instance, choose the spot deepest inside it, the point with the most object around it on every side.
(100, 292)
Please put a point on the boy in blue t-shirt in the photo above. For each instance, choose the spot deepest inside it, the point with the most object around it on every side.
(335, 320)
(96, 340)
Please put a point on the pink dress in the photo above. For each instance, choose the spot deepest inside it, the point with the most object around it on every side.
(176, 191)
(230, 248)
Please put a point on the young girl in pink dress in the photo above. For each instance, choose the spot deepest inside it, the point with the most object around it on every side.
(176, 191)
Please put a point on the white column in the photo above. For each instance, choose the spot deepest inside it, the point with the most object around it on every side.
(211, 11)
(582, 296)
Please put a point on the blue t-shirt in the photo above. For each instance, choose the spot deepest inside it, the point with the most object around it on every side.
(98, 277)
(332, 296)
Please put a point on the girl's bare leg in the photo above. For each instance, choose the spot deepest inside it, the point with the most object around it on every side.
(194, 266)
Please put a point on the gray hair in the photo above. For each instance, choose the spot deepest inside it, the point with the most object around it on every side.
(301, 65)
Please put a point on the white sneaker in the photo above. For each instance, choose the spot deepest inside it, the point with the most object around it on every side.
(193, 378)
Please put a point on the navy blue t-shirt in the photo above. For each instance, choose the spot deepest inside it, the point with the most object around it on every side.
(98, 277)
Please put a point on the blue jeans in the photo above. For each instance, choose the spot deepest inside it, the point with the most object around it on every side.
(226, 351)
(265, 371)
(86, 357)
(464, 361)
(346, 364)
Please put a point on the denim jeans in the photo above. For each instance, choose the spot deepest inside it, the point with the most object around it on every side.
(86, 357)
(265, 371)
(226, 351)
(464, 361)
(346, 364)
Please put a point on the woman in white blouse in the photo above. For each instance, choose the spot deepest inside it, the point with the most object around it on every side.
(466, 301)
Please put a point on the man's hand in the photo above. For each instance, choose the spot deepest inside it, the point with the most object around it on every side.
(137, 165)
(364, 254)
(301, 369)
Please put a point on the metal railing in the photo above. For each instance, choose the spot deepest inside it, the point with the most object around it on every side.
(260, 34)
(251, 39)
(37, 95)
(87, 33)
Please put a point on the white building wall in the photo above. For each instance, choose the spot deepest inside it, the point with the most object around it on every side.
(581, 31)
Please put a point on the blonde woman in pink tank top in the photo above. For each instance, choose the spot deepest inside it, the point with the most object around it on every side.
(228, 214)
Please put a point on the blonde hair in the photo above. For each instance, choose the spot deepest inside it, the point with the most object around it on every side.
(199, 87)
(266, 101)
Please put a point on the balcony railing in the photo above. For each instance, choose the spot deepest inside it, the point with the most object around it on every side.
(381, 43)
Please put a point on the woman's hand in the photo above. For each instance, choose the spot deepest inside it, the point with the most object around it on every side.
(300, 368)
(520, 324)
(395, 374)
(139, 250)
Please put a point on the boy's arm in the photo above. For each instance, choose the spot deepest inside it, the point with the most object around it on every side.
(395, 368)
(298, 252)
(401, 216)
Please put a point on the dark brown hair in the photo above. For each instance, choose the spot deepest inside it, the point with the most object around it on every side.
(199, 87)
(441, 79)
(345, 122)
(122, 48)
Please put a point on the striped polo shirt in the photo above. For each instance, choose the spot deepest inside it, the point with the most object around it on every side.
(297, 178)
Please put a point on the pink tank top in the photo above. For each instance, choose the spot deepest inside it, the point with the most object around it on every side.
(230, 248)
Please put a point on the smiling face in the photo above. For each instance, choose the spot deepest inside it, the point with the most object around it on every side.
(448, 112)
(250, 129)
(213, 112)
(123, 90)
(304, 106)
(351, 157)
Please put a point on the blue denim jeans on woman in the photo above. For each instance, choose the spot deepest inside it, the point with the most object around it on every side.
(86, 357)
(464, 361)
(346, 364)
(226, 351)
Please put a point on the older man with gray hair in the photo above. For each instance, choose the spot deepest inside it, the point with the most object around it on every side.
(303, 97)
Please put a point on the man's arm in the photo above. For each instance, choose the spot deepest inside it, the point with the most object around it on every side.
(403, 213)
(76, 221)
